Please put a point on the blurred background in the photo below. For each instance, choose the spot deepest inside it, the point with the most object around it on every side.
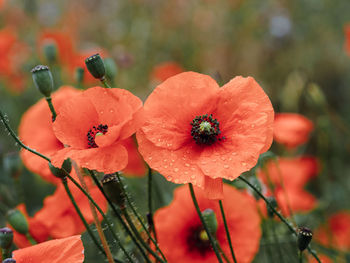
(296, 50)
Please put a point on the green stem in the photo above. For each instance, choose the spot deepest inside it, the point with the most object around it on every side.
(275, 239)
(278, 214)
(137, 234)
(116, 212)
(6, 253)
(14, 136)
(227, 232)
(300, 256)
(223, 253)
(102, 214)
(105, 83)
(69, 193)
(150, 208)
(139, 217)
(211, 239)
(52, 109)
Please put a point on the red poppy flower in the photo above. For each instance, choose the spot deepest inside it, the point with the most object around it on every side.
(165, 70)
(58, 213)
(336, 232)
(197, 132)
(64, 250)
(35, 130)
(347, 39)
(288, 178)
(93, 125)
(179, 228)
(292, 129)
(323, 258)
(58, 218)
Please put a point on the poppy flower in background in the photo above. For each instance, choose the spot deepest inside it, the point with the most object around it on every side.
(165, 70)
(35, 130)
(14, 54)
(347, 39)
(196, 132)
(136, 165)
(58, 218)
(179, 236)
(37, 230)
(323, 258)
(288, 177)
(292, 129)
(64, 250)
(336, 232)
(93, 126)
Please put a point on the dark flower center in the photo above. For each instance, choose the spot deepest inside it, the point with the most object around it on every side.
(198, 241)
(95, 130)
(205, 130)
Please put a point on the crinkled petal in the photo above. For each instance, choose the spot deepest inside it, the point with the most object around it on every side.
(108, 159)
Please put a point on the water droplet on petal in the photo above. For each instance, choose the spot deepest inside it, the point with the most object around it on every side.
(150, 158)
(176, 169)
(187, 165)
(234, 153)
(176, 181)
(223, 158)
(186, 172)
(253, 125)
(169, 178)
(193, 176)
(165, 166)
(173, 160)
(165, 160)
(244, 164)
(226, 166)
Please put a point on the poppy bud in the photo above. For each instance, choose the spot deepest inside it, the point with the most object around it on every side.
(273, 203)
(50, 51)
(111, 68)
(113, 189)
(43, 80)
(6, 237)
(79, 74)
(210, 219)
(304, 238)
(18, 221)
(96, 66)
(9, 260)
(61, 172)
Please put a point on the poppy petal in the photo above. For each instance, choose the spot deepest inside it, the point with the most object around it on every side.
(169, 123)
(55, 251)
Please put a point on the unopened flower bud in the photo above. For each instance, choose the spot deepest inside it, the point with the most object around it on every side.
(210, 219)
(304, 238)
(50, 51)
(273, 203)
(79, 75)
(96, 66)
(113, 189)
(111, 68)
(43, 80)
(9, 260)
(18, 221)
(6, 237)
(61, 172)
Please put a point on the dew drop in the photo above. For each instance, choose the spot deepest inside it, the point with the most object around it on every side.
(150, 158)
(223, 158)
(165, 166)
(234, 153)
(176, 181)
(192, 168)
(244, 164)
(230, 159)
(203, 162)
(226, 166)
(111, 110)
(253, 125)
(176, 169)
(173, 160)
(165, 160)
(187, 165)
(101, 112)
(169, 177)
(193, 176)
(186, 172)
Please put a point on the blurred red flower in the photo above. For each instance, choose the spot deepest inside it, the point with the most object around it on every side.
(94, 124)
(58, 218)
(35, 130)
(165, 70)
(292, 129)
(14, 53)
(136, 165)
(286, 180)
(64, 250)
(347, 39)
(336, 232)
(179, 228)
(197, 132)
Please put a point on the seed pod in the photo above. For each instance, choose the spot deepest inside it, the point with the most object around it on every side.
(210, 219)
(43, 80)
(96, 66)
(113, 189)
(304, 238)
(50, 51)
(6, 237)
(18, 221)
